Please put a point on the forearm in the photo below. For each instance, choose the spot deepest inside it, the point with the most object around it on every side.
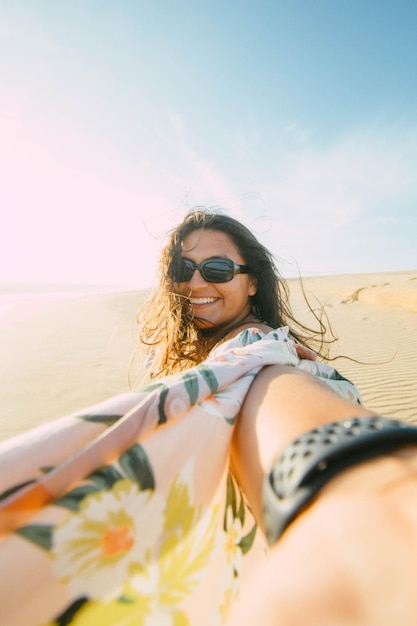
(350, 557)
(282, 403)
(351, 561)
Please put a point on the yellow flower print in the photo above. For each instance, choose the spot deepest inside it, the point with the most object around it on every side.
(115, 613)
(234, 534)
(228, 600)
(189, 540)
(114, 531)
(135, 555)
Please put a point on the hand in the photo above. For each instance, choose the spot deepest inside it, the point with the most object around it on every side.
(305, 353)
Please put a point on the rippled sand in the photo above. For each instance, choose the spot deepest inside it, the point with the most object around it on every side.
(62, 354)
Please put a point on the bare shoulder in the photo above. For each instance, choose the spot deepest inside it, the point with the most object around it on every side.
(262, 327)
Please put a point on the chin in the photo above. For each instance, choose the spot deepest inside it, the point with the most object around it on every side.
(211, 327)
(204, 324)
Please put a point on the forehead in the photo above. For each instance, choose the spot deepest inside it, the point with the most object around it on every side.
(207, 243)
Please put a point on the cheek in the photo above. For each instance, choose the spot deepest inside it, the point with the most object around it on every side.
(181, 288)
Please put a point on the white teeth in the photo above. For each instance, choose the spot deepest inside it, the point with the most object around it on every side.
(202, 300)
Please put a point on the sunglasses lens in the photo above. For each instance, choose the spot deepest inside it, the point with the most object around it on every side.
(218, 271)
(185, 271)
(212, 270)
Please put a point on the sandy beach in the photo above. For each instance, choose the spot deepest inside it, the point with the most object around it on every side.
(69, 351)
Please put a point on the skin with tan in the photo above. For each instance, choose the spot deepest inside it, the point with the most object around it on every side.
(351, 558)
(216, 304)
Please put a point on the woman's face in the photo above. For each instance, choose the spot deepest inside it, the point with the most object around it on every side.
(215, 304)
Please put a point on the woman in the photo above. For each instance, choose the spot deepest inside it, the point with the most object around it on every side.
(332, 575)
(238, 286)
(126, 513)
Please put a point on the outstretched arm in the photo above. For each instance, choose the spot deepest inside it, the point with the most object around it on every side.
(351, 557)
(282, 403)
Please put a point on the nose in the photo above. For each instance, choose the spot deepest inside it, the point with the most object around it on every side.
(197, 281)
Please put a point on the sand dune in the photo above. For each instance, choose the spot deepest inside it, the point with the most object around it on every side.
(62, 354)
(395, 289)
(375, 318)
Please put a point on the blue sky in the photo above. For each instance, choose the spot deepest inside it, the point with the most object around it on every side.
(298, 117)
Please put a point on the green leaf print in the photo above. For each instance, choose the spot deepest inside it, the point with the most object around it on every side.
(246, 542)
(232, 420)
(12, 490)
(73, 499)
(233, 496)
(66, 617)
(126, 600)
(209, 377)
(161, 406)
(105, 477)
(107, 420)
(39, 534)
(191, 384)
(135, 463)
(248, 337)
(335, 375)
(241, 512)
(230, 497)
(152, 387)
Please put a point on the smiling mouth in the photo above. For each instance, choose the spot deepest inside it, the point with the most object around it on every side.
(202, 300)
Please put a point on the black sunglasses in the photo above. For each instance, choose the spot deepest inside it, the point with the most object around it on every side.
(215, 270)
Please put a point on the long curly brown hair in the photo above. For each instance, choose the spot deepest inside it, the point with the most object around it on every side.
(165, 320)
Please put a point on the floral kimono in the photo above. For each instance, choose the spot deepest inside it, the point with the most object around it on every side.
(127, 514)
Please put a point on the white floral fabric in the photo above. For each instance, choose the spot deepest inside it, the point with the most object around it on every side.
(126, 513)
